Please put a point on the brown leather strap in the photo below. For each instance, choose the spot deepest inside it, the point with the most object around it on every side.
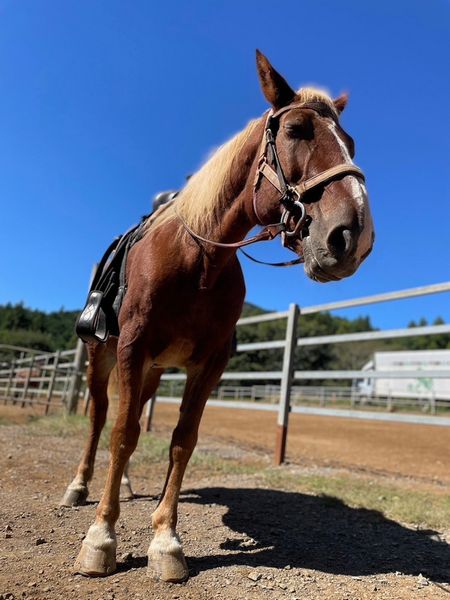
(344, 169)
(268, 233)
(287, 263)
(320, 107)
(269, 173)
(331, 173)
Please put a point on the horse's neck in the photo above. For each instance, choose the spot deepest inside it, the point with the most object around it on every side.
(237, 217)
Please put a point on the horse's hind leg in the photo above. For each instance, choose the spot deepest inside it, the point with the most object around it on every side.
(97, 556)
(101, 361)
(126, 491)
(148, 389)
(165, 554)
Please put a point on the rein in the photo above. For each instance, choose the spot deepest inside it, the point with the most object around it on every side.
(291, 195)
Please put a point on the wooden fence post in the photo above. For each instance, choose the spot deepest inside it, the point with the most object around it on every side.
(79, 364)
(76, 378)
(10, 380)
(86, 401)
(51, 384)
(43, 374)
(149, 413)
(27, 382)
(286, 383)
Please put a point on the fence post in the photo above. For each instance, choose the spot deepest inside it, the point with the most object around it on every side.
(27, 382)
(79, 364)
(87, 400)
(10, 380)
(76, 378)
(43, 374)
(286, 383)
(149, 413)
(51, 384)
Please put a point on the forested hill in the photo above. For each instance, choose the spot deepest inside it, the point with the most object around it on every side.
(21, 326)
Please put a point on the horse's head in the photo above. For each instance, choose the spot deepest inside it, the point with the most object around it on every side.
(337, 233)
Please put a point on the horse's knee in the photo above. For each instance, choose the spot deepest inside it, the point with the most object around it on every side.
(124, 440)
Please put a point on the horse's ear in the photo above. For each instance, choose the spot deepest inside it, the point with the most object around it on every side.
(341, 102)
(275, 88)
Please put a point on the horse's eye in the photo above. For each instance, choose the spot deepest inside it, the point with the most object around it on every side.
(294, 130)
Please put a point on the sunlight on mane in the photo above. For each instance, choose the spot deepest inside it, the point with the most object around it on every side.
(200, 202)
(314, 94)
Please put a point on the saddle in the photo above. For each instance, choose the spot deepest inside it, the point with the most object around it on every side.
(99, 318)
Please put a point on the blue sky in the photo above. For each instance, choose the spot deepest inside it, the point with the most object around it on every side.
(103, 104)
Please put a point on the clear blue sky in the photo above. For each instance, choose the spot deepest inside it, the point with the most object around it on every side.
(102, 104)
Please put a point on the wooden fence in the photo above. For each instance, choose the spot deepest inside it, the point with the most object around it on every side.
(58, 379)
(52, 380)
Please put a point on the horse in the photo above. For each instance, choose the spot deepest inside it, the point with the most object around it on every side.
(289, 171)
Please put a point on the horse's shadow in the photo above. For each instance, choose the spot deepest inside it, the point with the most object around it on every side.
(317, 532)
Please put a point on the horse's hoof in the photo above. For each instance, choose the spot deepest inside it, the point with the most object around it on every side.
(166, 560)
(168, 567)
(94, 562)
(75, 496)
(97, 557)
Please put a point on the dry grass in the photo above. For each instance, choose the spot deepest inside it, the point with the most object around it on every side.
(396, 500)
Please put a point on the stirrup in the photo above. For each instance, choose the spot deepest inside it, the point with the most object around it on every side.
(91, 324)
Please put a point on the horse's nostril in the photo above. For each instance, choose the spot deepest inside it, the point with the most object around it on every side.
(340, 241)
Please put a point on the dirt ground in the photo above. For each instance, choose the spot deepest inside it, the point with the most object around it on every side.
(421, 452)
(243, 539)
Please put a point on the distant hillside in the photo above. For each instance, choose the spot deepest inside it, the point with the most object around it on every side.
(22, 326)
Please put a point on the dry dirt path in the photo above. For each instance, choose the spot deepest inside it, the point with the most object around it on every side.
(421, 452)
(243, 539)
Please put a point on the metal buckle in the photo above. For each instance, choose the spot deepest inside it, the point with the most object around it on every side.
(269, 136)
(287, 216)
(295, 197)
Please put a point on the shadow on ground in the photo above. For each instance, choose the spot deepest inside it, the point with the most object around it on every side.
(317, 532)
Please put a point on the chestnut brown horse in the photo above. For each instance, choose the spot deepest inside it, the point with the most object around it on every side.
(290, 171)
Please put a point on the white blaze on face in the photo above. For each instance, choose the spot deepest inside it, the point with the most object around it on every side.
(358, 191)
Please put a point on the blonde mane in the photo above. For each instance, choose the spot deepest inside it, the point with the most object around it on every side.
(314, 94)
(201, 201)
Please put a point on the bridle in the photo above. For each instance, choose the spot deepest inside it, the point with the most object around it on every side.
(291, 196)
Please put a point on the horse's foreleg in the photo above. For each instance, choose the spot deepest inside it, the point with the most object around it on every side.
(101, 362)
(166, 559)
(97, 556)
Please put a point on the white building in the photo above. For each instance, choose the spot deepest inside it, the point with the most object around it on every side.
(411, 387)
